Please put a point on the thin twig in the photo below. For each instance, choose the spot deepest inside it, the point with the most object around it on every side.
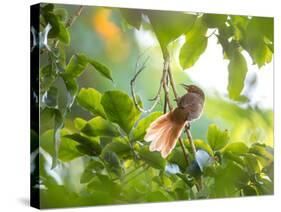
(132, 83)
(71, 20)
(168, 102)
(212, 33)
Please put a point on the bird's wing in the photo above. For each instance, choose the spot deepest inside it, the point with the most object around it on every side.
(189, 100)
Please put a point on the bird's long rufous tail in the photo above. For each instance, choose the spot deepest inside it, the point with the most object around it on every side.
(163, 133)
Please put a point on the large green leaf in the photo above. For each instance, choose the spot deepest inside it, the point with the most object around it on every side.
(192, 50)
(217, 138)
(254, 41)
(168, 26)
(154, 159)
(100, 127)
(132, 17)
(140, 130)
(120, 109)
(67, 150)
(90, 99)
(229, 179)
(195, 44)
(214, 20)
(237, 70)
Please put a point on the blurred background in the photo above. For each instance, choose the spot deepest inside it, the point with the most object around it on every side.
(102, 34)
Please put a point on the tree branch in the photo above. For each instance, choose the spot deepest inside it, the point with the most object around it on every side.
(168, 102)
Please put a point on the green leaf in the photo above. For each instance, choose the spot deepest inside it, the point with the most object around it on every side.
(154, 159)
(254, 42)
(118, 145)
(253, 163)
(120, 109)
(102, 69)
(195, 44)
(192, 50)
(217, 139)
(229, 179)
(237, 148)
(53, 20)
(132, 17)
(67, 150)
(100, 127)
(61, 13)
(64, 35)
(112, 162)
(93, 167)
(79, 123)
(262, 153)
(168, 26)
(214, 20)
(140, 130)
(90, 100)
(89, 146)
(237, 70)
(76, 65)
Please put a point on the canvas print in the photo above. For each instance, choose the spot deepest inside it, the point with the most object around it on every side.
(137, 106)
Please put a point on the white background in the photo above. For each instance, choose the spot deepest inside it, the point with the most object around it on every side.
(14, 103)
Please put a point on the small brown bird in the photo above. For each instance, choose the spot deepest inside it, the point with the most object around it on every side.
(166, 129)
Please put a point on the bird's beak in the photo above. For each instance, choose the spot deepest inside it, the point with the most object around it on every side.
(185, 86)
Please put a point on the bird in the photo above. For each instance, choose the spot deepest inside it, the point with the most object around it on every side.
(164, 132)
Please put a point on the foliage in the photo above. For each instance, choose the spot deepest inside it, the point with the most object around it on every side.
(117, 164)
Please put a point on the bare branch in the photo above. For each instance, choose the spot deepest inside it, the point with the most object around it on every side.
(156, 99)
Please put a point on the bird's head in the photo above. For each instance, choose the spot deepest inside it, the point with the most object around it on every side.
(194, 89)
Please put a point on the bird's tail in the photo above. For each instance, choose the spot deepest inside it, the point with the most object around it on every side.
(163, 133)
